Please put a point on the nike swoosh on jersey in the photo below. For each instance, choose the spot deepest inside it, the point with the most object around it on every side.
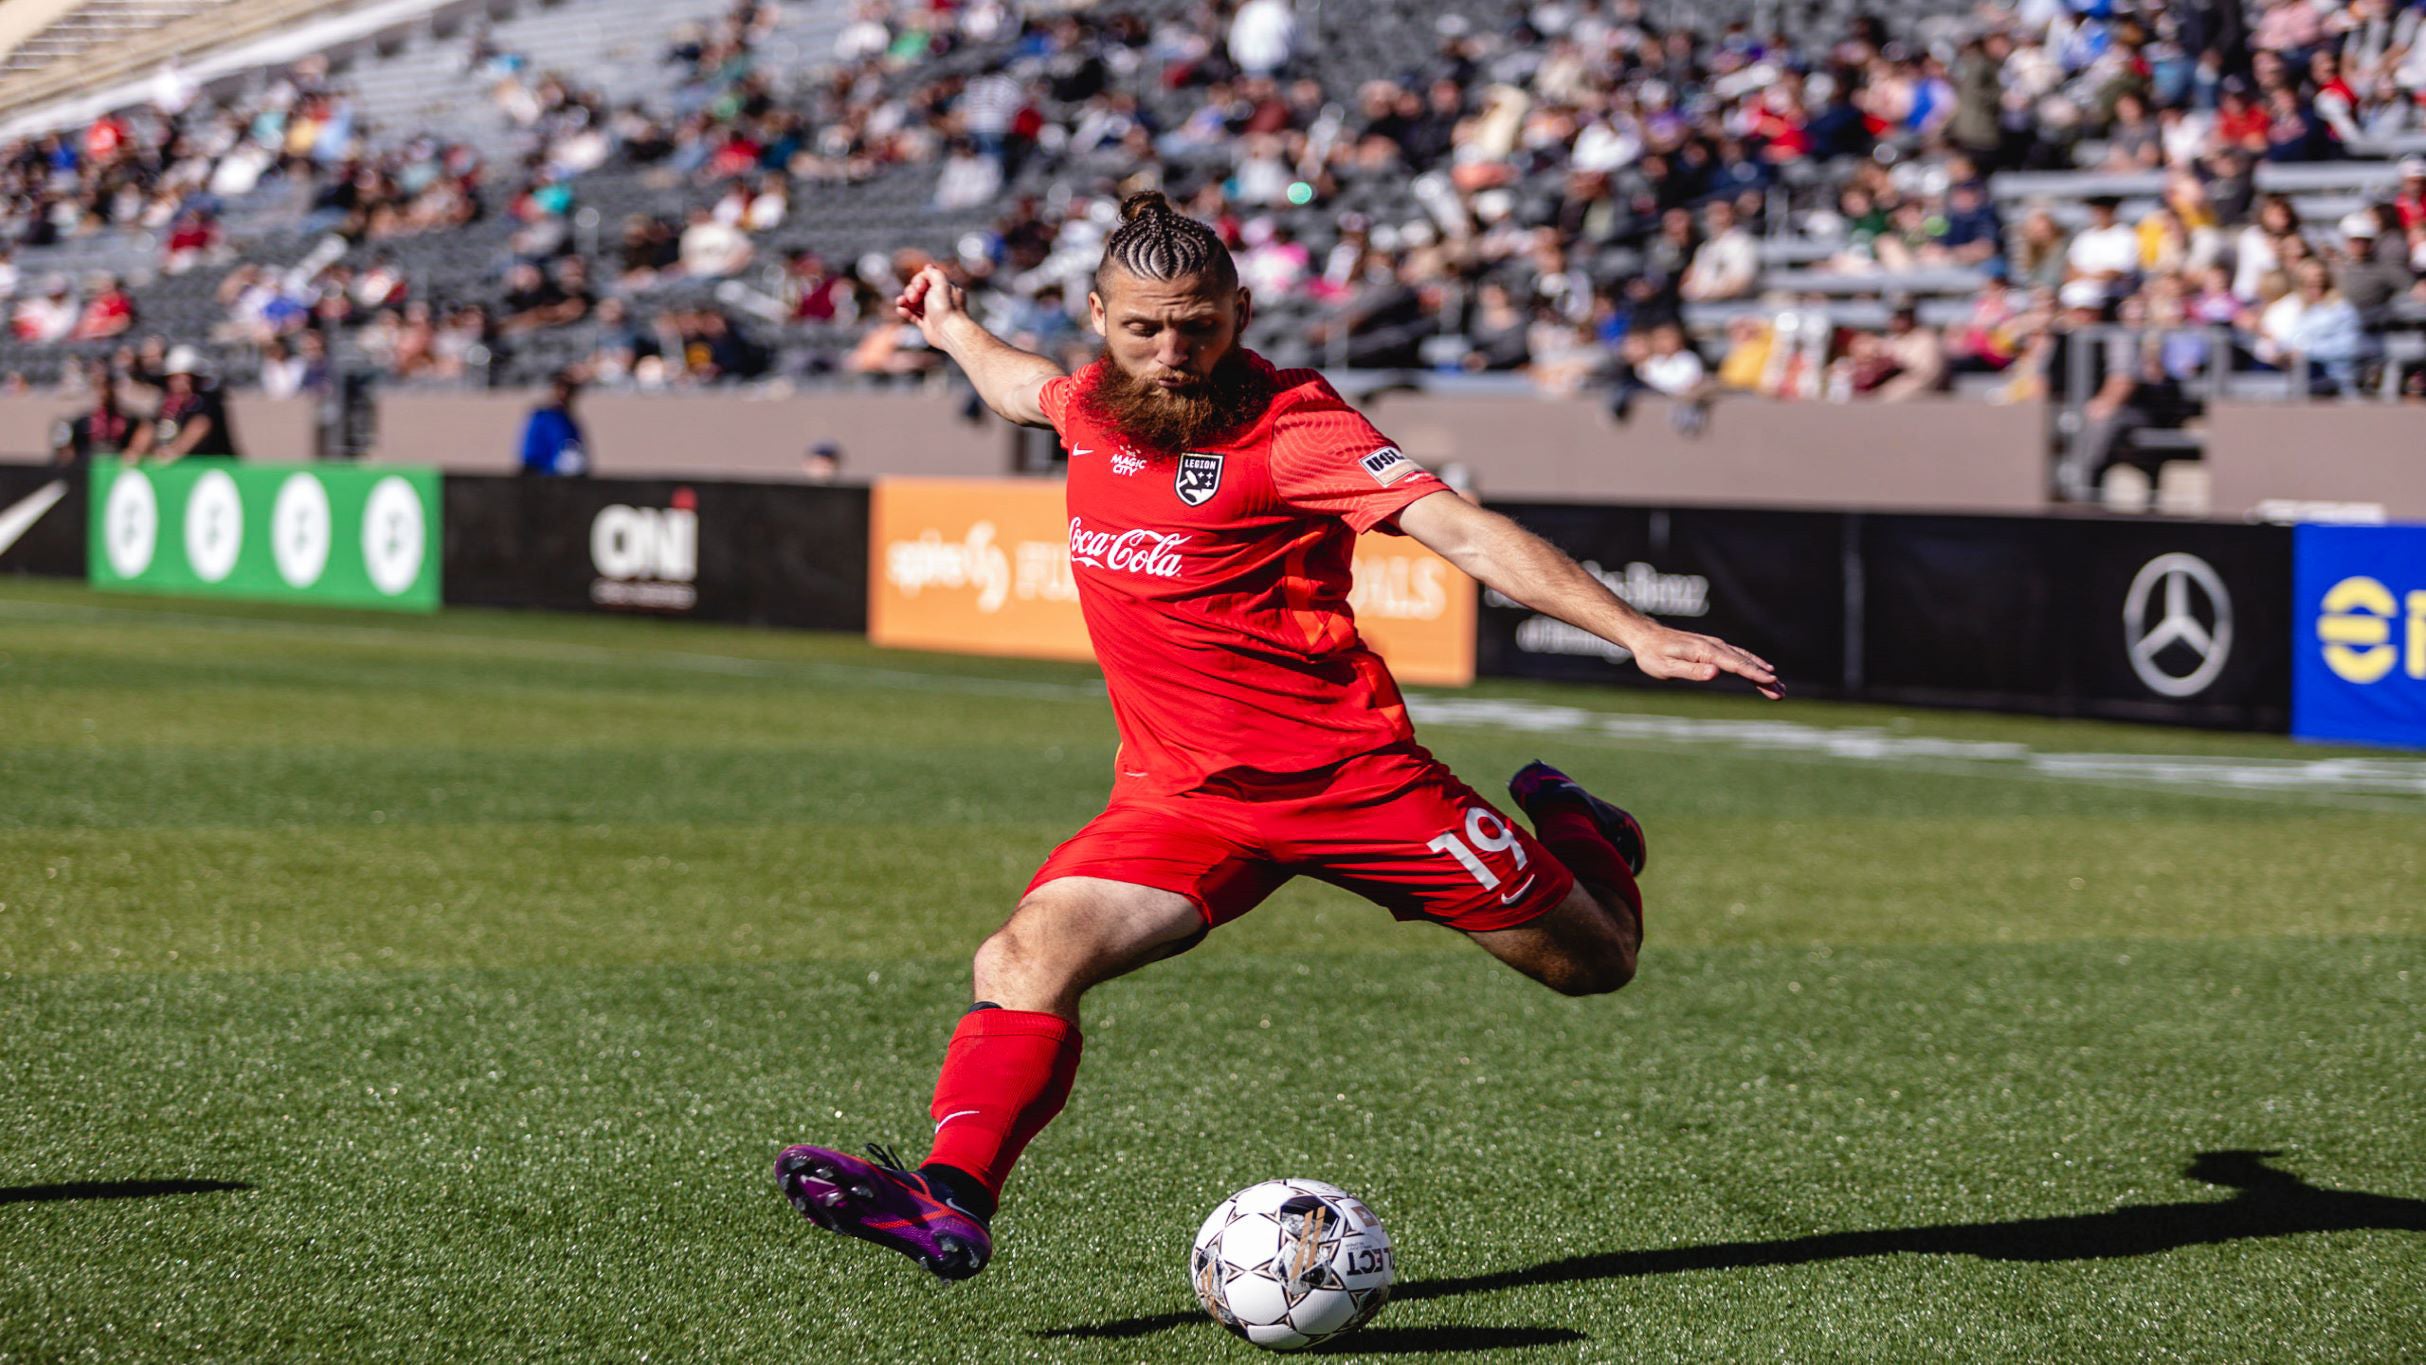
(19, 519)
(1082, 450)
(1521, 888)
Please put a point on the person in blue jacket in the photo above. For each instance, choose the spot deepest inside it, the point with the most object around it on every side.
(552, 443)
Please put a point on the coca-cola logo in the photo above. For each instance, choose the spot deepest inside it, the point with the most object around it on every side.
(1152, 553)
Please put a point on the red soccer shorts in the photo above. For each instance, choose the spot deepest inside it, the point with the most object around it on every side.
(1394, 826)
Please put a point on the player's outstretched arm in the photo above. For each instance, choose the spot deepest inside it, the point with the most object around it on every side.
(1007, 378)
(1506, 557)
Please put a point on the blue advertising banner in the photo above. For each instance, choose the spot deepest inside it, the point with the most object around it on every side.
(2358, 643)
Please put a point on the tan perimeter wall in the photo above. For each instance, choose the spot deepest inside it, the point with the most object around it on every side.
(1951, 456)
(703, 435)
(1929, 456)
(1947, 455)
(2317, 452)
(266, 428)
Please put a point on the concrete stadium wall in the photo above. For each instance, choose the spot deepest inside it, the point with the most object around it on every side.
(1942, 455)
(1932, 456)
(267, 428)
(705, 435)
(2319, 452)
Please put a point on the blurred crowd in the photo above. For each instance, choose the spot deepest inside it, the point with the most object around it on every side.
(1568, 191)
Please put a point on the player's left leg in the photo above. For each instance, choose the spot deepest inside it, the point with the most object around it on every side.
(1559, 905)
(1580, 947)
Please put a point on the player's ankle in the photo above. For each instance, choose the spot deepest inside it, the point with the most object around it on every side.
(960, 1189)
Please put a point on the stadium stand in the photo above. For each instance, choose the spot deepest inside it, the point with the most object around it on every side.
(2129, 210)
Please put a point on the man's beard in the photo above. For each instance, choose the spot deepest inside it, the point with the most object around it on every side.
(1162, 421)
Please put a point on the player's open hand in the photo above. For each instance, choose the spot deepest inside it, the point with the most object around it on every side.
(1665, 653)
(929, 301)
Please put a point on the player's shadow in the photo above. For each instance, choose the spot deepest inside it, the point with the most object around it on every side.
(2266, 1202)
(114, 1189)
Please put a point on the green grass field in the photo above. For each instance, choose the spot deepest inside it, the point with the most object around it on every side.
(442, 989)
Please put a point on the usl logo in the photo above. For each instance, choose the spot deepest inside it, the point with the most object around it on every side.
(1152, 553)
(1388, 465)
(1199, 478)
(2356, 622)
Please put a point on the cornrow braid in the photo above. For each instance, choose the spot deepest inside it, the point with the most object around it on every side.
(1157, 242)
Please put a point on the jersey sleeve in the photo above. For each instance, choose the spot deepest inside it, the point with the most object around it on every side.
(1054, 398)
(1326, 458)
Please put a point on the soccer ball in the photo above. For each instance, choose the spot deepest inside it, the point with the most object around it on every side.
(1290, 1263)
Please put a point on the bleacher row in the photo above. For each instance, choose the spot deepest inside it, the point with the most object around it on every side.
(440, 75)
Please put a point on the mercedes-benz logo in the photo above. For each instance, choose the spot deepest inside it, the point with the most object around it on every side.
(2179, 652)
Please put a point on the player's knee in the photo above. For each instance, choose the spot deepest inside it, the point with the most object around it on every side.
(1596, 973)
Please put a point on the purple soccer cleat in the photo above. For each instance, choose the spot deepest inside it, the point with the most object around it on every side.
(1538, 781)
(881, 1202)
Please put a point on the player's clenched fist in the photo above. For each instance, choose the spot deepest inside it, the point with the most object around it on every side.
(930, 300)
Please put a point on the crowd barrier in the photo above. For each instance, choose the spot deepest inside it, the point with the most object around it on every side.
(2319, 630)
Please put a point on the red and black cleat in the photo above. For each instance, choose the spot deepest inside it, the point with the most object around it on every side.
(880, 1202)
(1537, 782)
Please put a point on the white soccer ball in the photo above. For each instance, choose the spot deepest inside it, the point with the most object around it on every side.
(1290, 1263)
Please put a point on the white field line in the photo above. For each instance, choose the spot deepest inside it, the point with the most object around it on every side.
(2380, 784)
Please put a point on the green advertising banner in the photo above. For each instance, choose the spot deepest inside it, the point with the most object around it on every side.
(342, 535)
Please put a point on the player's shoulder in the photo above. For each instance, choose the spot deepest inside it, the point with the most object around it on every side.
(1297, 390)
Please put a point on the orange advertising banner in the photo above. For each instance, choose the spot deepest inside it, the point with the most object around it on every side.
(982, 566)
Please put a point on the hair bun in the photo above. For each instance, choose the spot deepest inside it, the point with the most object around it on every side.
(1143, 202)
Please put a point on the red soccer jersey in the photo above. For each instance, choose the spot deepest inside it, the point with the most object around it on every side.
(1215, 584)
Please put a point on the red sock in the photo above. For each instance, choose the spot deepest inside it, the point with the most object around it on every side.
(1005, 1076)
(1576, 839)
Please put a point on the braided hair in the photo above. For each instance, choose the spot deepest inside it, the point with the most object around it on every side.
(1157, 242)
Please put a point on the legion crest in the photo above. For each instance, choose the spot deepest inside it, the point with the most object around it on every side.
(1199, 478)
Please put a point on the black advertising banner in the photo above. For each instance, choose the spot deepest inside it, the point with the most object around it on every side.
(2183, 622)
(2124, 618)
(1964, 611)
(766, 554)
(2177, 622)
(1772, 582)
(42, 520)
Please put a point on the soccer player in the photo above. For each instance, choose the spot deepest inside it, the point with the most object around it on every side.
(1213, 503)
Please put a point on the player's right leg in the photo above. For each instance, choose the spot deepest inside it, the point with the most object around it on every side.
(1007, 1073)
(1139, 884)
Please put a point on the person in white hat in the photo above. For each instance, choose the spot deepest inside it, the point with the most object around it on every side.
(192, 420)
(2371, 278)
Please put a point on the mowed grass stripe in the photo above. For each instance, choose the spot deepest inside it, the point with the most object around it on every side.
(493, 955)
(553, 1163)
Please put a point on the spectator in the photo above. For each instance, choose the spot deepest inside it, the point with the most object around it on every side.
(822, 463)
(109, 312)
(1263, 35)
(712, 250)
(1670, 366)
(2370, 278)
(1728, 262)
(192, 420)
(105, 429)
(282, 371)
(552, 443)
(50, 316)
(2326, 335)
(2106, 251)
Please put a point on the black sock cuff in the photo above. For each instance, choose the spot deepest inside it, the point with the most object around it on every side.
(961, 1188)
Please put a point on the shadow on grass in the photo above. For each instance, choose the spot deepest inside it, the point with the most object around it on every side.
(2267, 1203)
(114, 1189)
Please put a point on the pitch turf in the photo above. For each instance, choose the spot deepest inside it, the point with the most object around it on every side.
(441, 990)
